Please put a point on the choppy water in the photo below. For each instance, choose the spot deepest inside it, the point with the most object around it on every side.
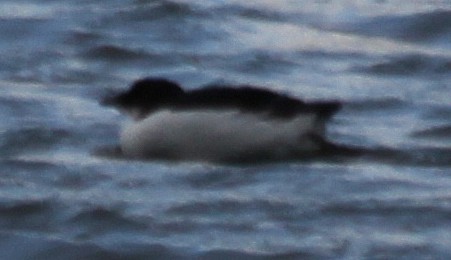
(388, 61)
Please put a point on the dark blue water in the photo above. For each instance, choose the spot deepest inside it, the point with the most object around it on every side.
(388, 61)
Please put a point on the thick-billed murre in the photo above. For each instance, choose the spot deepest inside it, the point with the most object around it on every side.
(220, 123)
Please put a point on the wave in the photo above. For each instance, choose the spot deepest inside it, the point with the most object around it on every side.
(32, 139)
(32, 215)
(26, 11)
(46, 247)
(42, 247)
(375, 207)
(258, 62)
(23, 208)
(248, 12)
(156, 10)
(164, 9)
(113, 52)
(219, 179)
(80, 36)
(411, 65)
(415, 156)
(417, 27)
(388, 103)
(438, 112)
(438, 132)
(221, 206)
(30, 224)
(121, 55)
(96, 229)
(96, 219)
(13, 106)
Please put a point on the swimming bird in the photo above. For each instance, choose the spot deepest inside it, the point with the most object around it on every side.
(219, 123)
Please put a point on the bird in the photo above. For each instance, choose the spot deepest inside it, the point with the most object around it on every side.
(220, 123)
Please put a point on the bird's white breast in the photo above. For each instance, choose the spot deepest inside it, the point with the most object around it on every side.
(216, 135)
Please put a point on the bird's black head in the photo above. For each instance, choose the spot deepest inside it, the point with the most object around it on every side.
(145, 96)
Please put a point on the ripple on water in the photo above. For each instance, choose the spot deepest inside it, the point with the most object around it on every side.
(28, 215)
(145, 11)
(438, 132)
(31, 139)
(97, 220)
(424, 26)
(411, 65)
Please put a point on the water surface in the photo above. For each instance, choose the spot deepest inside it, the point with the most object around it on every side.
(388, 61)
